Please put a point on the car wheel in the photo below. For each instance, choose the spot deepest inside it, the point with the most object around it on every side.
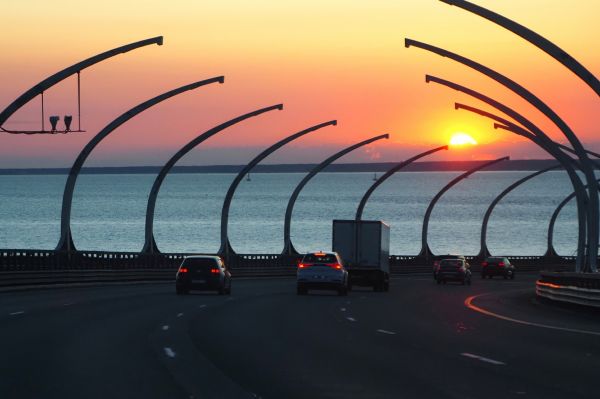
(179, 291)
(444, 281)
(483, 276)
(386, 286)
(221, 290)
(342, 291)
(469, 281)
(512, 276)
(439, 281)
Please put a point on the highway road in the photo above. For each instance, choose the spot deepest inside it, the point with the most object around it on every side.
(493, 339)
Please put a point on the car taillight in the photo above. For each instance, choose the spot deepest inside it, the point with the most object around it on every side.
(484, 263)
(334, 265)
(304, 265)
(214, 271)
(183, 270)
(501, 264)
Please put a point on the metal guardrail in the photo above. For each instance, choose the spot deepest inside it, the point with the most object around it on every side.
(577, 288)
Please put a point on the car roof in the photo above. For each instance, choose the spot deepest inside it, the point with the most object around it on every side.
(203, 257)
(321, 253)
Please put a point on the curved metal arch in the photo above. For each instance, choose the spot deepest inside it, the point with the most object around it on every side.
(389, 173)
(425, 250)
(65, 73)
(149, 241)
(586, 165)
(66, 241)
(534, 38)
(226, 248)
(551, 251)
(541, 140)
(288, 247)
(565, 161)
(484, 251)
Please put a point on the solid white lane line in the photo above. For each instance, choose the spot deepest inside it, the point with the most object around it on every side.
(201, 306)
(68, 304)
(351, 319)
(343, 309)
(169, 352)
(179, 314)
(483, 359)
(165, 327)
(470, 305)
(17, 313)
(386, 332)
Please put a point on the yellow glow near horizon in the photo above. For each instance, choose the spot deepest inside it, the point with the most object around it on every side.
(462, 139)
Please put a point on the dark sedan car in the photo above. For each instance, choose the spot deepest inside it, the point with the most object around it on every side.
(497, 266)
(205, 273)
(437, 259)
(454, 270)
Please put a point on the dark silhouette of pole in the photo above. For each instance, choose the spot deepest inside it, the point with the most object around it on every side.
(568, 163)
(226, 248)
(65, 73)
(149, 241)
(550, 251)
(66, 241)
(534, 38)
(484, 251)
(425, 250)
(586, 165)
(288, 247)
(388, 174)
(542, 140)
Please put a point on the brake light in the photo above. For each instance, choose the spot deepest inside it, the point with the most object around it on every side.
(304, 265)
(501, 264)
(183, 270)
(335, 265)
(484, 263)
(214, 271)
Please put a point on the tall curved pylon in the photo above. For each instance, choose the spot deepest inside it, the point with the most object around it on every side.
(566, 162)
(226, 248)
(149, 241)
(484, 251)
(550, 251)
(541, 139)
(534, 38)
(587, 166)
(65, 73)
(288, 247)
(66, 240)
(425, 250)
(388, 174)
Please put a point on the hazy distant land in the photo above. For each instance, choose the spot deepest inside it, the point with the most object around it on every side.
(445, 166)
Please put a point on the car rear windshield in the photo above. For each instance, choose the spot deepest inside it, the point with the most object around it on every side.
(319, 258)
(200, 263)
(451, 262)
(495, 260)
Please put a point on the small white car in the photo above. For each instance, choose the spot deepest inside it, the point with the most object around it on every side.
(322, 271)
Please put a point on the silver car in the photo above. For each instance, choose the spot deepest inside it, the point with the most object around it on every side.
(322, 271)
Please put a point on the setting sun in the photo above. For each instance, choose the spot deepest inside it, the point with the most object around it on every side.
(462, 139)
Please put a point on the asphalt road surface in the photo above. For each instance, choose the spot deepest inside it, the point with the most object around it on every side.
(493, 339)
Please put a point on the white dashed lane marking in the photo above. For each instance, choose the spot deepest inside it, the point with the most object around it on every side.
(179, 314)
(17, 313)
(169, 352)
(352, 319)
(201, 306)
(343, 309)
(165, 327)
(386, 332)
(483, 359)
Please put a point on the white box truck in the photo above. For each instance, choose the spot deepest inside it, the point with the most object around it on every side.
(364, 246)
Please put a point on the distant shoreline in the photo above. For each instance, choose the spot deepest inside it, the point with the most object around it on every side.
(442, 166)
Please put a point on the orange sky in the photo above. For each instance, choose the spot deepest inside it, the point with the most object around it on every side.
(324, 60)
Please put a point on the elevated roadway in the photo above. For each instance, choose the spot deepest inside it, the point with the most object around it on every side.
(420, 340)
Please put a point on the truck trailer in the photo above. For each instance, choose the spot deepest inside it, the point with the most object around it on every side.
(364, 246)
